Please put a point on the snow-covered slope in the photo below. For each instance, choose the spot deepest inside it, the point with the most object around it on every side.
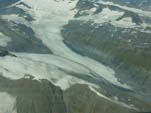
(38, 48)
(50, 17)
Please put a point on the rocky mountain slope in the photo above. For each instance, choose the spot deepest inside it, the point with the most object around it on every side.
(75, 56)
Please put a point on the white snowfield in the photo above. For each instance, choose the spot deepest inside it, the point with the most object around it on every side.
(110, 16)
(137, 11)
(106, 15)
(8, 103)
(50, 17)
(4, 40)
(125, 23)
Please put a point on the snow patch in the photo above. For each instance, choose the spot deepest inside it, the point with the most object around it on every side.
(135, 10)
(107, 15)
(7, 104)
(125, 23)
(4, 40)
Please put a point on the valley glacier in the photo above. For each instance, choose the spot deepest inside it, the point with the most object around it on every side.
(64, 67)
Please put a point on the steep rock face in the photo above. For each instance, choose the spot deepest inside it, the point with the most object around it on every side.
(80, 99)
(34, 96)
